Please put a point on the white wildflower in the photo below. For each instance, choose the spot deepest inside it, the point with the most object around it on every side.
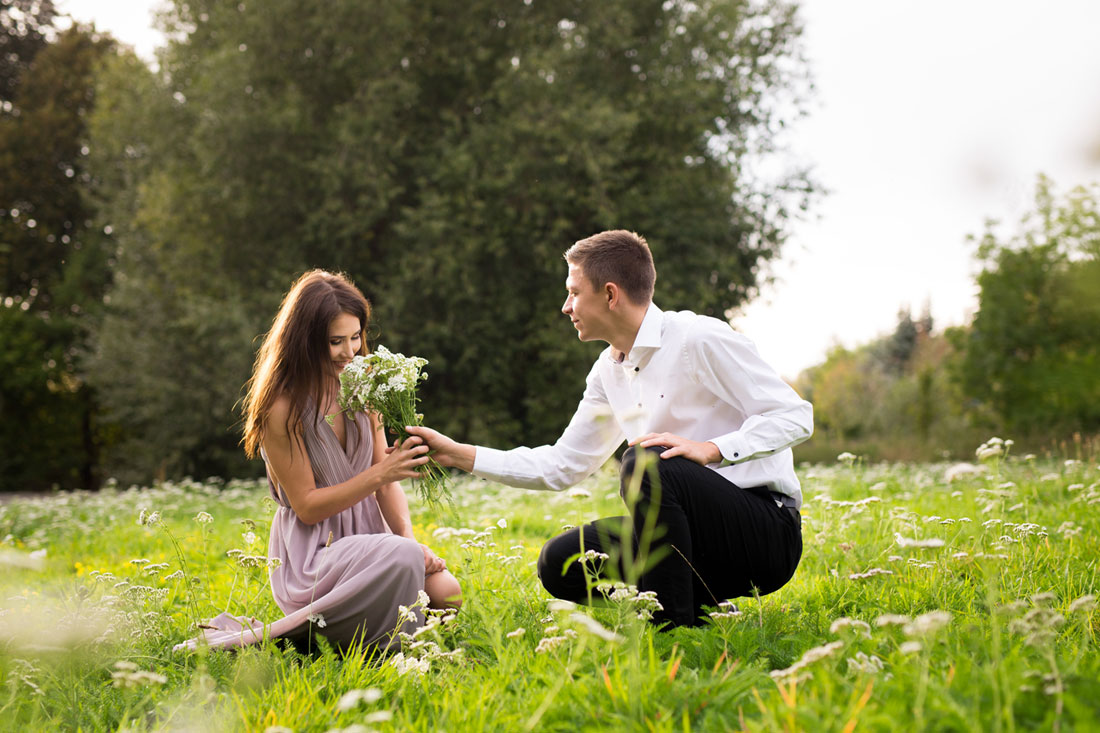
(594, 627)
(866, 664)
(378, 716)
(847, 458)
(959, 471)
(204, 518)
(516, 633)
(927, 623)
(557, 604)
(1083, 604)
(404, 664)
(354, 698)
(502, 523)
(578, 493)
(405, 615)
(910, 647)
(892, 619)
(811, 656)
(316, 618)
(870, 574)
(549, 643)
(127, 674)
(852, 626)
(925, 543)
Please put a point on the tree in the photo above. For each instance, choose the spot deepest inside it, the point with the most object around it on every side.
(445, 156)
(892, 398)
(25, 29)
(54, 265)
(1033, 350)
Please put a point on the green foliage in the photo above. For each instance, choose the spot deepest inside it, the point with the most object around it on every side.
(1032, 354)
(25, 27)
(890, 399)
(54, 264)
(444, 157)
(1008, 554)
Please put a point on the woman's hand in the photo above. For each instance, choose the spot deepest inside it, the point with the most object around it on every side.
(432, 563)
(693, 450)
(445, 451)
(403, 459)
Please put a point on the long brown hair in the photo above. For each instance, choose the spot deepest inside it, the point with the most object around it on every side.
(294, 358)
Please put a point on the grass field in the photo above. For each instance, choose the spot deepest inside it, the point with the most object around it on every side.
(924, 601)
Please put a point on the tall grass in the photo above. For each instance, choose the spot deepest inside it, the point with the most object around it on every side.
(920, 604)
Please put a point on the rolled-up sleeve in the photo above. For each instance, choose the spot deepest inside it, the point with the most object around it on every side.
(587, 442)
(728, 364)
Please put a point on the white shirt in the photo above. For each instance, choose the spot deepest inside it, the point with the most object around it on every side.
(690, 375)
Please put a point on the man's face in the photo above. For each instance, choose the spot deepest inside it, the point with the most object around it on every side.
(586, 306)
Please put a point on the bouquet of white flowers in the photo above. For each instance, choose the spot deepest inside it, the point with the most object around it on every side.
(385, 383)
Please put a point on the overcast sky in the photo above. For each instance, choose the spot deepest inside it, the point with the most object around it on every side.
(928, 118)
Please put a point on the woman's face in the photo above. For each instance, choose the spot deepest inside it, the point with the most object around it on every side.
(344, 339)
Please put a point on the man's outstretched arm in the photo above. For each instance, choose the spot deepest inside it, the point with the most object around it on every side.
(445, 451)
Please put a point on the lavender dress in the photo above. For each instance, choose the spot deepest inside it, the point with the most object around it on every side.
(355, 583)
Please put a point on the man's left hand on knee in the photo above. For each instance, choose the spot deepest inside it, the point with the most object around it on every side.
(693, 450)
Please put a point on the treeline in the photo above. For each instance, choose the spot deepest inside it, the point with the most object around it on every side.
(442, 154)
(1027, 366)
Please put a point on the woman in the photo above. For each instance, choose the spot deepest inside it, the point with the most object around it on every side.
(342, 530)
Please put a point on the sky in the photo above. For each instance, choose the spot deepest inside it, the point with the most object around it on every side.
(927, 119)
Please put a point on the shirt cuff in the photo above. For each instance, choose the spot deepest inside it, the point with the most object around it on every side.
(489, 463)
(733, 448)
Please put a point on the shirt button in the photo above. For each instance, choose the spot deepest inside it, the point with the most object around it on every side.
(635, 368)
(736, 455)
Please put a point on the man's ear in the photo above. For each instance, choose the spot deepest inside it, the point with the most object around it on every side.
(613, 294)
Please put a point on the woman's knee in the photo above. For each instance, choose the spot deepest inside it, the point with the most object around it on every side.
(443, 590)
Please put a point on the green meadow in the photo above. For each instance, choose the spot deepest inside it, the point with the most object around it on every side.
(930, 597)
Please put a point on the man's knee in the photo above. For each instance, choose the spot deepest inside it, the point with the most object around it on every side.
(639, 471)
(551, 564)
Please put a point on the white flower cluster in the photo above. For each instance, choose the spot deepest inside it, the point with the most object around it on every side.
(352, 699)
(925, 543)
(847, 458)
(368, 382)
(127, 674)
(644, 602)
(794, 672)
(726, 609)
(845, 626)
(384, 382)
(404, 664)
(993, 448)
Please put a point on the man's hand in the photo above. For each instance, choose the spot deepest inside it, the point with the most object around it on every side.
(701, 453)
(445, 451)
(432, 564)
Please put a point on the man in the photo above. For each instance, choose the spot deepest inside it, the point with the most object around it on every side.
(714, 515)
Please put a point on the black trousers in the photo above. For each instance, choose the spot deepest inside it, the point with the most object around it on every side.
(692, 537)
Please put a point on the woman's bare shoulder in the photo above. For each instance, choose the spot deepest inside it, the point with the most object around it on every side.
(279, 415)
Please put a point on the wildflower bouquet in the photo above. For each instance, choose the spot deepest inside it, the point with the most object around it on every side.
(385, 383)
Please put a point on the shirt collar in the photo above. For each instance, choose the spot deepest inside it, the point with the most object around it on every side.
(649, 333)
(648, 337)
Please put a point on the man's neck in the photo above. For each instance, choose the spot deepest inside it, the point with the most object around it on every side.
(622, 341)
